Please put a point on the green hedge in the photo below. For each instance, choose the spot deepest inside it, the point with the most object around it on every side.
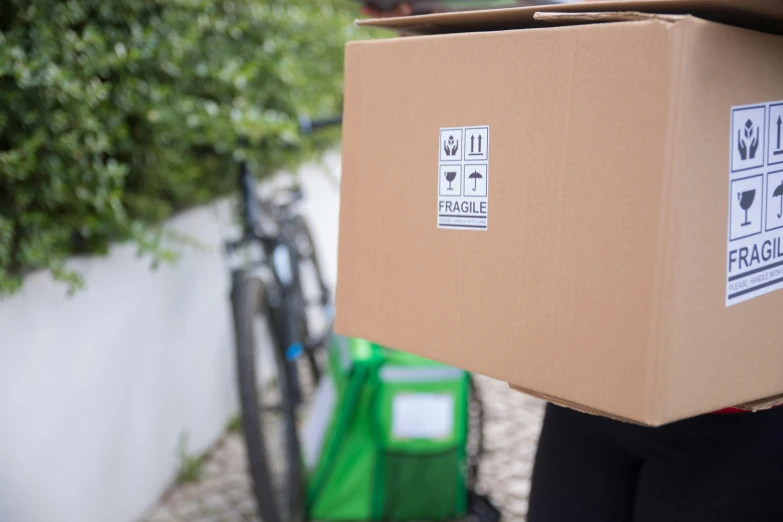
(116, 114)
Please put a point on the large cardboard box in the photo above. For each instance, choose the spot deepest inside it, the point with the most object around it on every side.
(592, 212)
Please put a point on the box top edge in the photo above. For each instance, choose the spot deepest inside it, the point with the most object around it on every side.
(761, 15)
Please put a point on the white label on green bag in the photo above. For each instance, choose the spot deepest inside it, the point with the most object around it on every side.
(422, 415)
(317, 422)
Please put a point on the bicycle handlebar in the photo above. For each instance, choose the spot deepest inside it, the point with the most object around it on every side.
(256, 209)
(308, 126)
(419, 6)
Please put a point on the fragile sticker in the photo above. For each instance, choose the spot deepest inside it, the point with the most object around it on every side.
(463, 177)
(755, 229)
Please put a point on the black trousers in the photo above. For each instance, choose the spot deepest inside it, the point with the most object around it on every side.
(712, 468)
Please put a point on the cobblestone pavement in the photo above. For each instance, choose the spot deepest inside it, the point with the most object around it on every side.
(512, 425)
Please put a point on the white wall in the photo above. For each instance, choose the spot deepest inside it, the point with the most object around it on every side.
(96, 390)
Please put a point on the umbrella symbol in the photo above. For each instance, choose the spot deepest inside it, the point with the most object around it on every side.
(475, 177)
(779, 194)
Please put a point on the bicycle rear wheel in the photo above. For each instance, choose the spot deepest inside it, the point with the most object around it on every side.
(267, 407)
(311, 288)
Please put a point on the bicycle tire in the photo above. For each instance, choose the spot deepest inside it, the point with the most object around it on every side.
(247, 297)
(306, 250)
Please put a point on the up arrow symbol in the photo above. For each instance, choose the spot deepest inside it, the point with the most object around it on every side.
(780, 121)
(778, 135)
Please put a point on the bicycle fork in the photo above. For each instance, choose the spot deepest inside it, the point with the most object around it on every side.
(289, 339)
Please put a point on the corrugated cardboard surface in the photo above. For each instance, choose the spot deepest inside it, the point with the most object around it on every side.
(715, 356)
(596, 281)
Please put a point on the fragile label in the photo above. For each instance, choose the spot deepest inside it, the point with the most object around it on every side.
(755, 230)
(463, 177)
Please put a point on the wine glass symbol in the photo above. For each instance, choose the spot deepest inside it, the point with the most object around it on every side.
(745, 202)
(450, 175)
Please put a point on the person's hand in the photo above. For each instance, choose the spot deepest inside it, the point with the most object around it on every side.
(404, 9)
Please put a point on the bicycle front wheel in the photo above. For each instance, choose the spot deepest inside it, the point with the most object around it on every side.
(267, 407)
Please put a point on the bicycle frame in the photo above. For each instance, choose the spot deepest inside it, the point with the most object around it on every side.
(279, 257)
(278, 254)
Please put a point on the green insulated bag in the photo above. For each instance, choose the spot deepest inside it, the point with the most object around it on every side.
(386, 437)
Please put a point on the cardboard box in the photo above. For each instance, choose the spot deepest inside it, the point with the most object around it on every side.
(588, 211)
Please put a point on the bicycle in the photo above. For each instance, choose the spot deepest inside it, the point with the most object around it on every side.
(269, 288)
(267, 293)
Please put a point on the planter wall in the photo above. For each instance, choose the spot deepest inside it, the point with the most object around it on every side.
(97, 390)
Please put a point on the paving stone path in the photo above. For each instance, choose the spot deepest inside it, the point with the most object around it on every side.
(512, 425)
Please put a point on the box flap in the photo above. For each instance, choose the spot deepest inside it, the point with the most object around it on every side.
(762, 15)
(763, 404)
(602, 17)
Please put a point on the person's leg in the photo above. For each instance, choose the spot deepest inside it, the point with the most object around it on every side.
(714, 468)
(581, 473)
